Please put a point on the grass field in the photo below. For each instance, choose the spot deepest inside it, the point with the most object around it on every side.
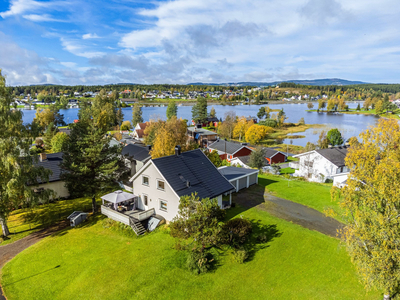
(23, 222)
(314, 195)
(93, 262)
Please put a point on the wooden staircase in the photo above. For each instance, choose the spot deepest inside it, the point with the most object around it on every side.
(137, 226)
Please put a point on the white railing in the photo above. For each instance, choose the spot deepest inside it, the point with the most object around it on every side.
(115, 215)
(143, 215)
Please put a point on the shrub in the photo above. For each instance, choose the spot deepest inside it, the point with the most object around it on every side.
(126, 125)
(237, 231)
(240, 255)
(269, 122)
(199, 261)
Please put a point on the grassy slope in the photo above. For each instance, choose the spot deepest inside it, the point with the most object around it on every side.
(23, 222)
(314, 195)
(97, 263)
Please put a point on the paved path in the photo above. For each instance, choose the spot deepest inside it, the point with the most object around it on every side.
(7, 252)
(288, 210)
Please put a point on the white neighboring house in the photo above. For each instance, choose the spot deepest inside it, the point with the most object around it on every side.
(320, 165)
(161, 182)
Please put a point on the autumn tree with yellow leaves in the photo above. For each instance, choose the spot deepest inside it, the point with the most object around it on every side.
(167, 135)
(256, 133)
(371, 204)
(241, 128)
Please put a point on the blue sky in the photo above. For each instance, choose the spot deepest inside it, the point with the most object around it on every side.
(99, 42)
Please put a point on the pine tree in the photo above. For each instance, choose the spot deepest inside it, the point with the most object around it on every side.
(199, 110)
(172, 109)
(136, 114)
(91, 166)
(17, 167)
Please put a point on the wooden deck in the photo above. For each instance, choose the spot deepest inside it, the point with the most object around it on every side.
(137, 215)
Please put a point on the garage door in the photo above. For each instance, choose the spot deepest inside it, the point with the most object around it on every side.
(242, 183)
(253, 179)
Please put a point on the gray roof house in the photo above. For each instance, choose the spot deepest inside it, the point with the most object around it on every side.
(52, 162)
(229, 150)
(162, 181)
(320, 165)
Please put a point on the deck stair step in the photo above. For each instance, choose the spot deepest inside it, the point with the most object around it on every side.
(137, 226)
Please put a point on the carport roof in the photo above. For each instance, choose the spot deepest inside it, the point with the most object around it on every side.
(232, 173)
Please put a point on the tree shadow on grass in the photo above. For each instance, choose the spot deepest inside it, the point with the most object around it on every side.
(48, 270)
(247, 199)
(261, 237)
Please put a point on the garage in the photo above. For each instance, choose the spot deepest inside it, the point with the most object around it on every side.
(240, 178)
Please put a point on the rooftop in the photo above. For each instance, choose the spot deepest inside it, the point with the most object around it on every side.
(136, 152)
(231, 173)
(192, 172)
(52, 163)
(225, 146)
(335, 155)
(201, 131)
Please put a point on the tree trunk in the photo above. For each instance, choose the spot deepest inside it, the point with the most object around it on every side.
(4, 226)
(386, 297)
(94, 205)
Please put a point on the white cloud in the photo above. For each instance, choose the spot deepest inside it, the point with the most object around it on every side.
(90, 36)
(41, 18)
(74, 47)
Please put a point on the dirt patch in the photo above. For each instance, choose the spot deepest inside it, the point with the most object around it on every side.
(288, 210)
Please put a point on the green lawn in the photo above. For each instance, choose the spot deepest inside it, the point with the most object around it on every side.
(23, 222)
(314, 195)
(287, 171)
(93, 262)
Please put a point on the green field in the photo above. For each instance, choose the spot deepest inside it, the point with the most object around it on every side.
(94, 262)
(314, 195)
(23, 222)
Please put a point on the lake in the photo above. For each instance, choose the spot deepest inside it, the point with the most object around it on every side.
(349, 125)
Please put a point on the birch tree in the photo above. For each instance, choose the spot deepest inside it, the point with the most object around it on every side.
(371, 202)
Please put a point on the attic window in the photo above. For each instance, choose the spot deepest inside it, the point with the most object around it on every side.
(145, 180)
(160, 185)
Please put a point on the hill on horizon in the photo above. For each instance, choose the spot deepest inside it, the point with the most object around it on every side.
(319, 82)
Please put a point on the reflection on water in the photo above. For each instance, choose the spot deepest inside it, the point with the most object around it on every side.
(349, 125)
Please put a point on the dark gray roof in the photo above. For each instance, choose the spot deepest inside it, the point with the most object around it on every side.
(136, 152)
(230, 146)
(246, 159)
(335, 155)
(269, 152)
(201, 131)
(232, 173)
(196, 169)
(52, 163)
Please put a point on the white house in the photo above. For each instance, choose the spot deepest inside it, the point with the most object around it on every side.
(320, 165)
(161, 182)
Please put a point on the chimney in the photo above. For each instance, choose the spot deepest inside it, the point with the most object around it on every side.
(187, 183)
(148, 147)
(330, 146)
(42, 156)
(177, 150)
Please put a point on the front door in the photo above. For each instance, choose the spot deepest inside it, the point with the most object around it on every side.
(145, 201)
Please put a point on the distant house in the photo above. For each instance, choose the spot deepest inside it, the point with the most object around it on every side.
(52, 162)
(274, 156)
(136, 156)
(320, 165)
(229, 150)
(138, 132)
(201, 136)
(129, 101)
(213, 120)
(161, 182)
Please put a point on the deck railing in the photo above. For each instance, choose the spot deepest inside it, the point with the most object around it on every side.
(143, 215)
(115, 215)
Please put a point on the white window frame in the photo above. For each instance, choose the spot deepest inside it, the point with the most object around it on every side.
(158, 188)
(166, 202)
(148, 180)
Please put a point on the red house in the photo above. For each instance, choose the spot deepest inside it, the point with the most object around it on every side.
(274, 157)
(229, 150)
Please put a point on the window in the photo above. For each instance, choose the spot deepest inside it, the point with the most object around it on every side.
(160, 185)
(145, 180)
(163, 205)
(145, 200)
